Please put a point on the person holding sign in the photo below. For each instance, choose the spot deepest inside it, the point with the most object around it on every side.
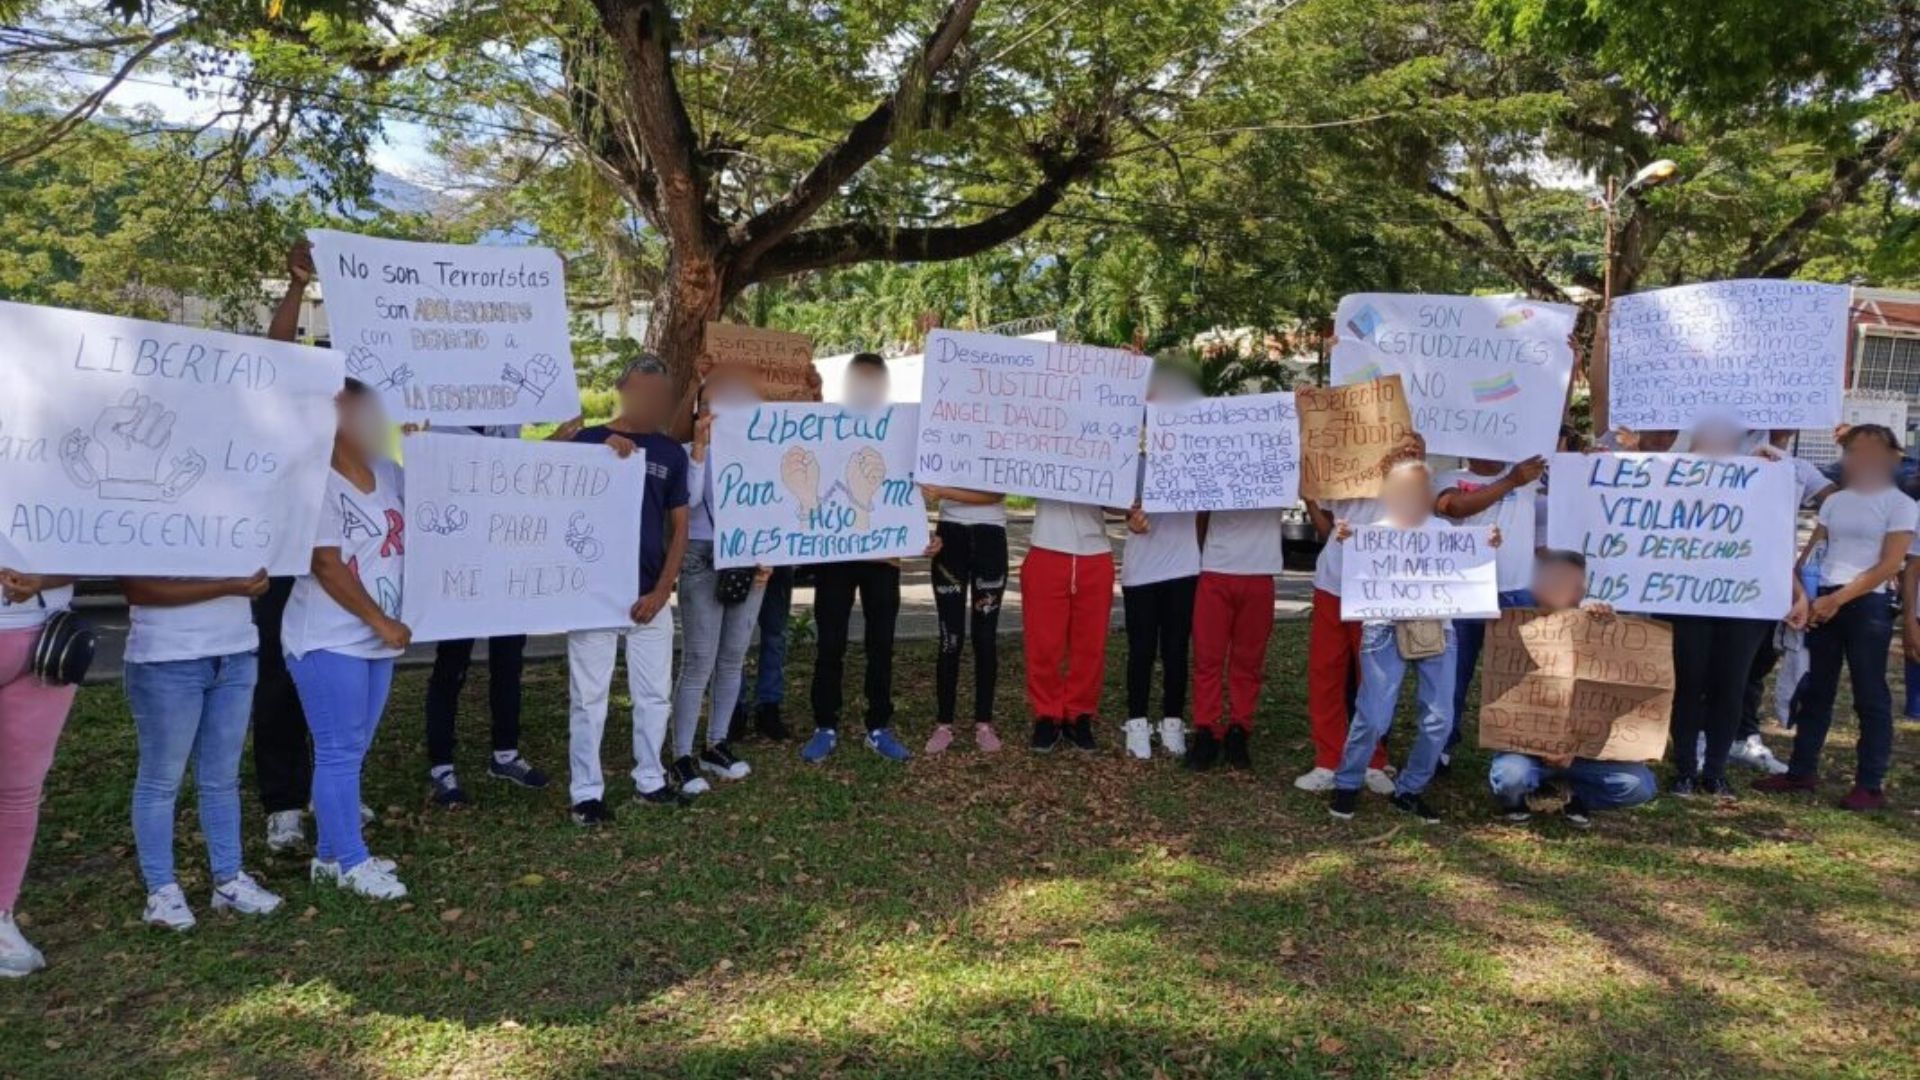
(341, 635)
(1232, 623)
(1159, 573)
(1867, 527)
(32, 713)
(969, 581)
(1066, 593)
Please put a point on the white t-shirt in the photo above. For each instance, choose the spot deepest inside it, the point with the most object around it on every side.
(993, 513)
(369, 528)
(1326, 569)
(699, 496)
(1169, 549)
(1514, 514)
(1070, 528)
(1857, 527)
(222, 626)
(1811, 480)
(31, 613)
(1243, 542)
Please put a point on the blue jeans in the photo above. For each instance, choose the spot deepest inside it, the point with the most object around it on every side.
(1472, 635)
(770, 684)
(343, 697)
(189, 710)
(1859, 634)
(713, 649)
(1381, 669)
(1601, 785)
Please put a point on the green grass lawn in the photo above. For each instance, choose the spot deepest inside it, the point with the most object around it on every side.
(1071, 915)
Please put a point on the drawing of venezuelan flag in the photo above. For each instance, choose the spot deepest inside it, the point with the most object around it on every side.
(1499, 388)
(1365, 374)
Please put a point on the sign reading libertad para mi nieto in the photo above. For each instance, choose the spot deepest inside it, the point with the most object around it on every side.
(133, 447)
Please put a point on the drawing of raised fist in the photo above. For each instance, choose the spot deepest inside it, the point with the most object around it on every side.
(542, 372)
(866, 470)
(121, 457)
(370, 369)
(800, 472)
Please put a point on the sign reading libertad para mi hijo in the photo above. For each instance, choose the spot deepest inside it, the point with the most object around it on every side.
(453, 333)
(133, 447)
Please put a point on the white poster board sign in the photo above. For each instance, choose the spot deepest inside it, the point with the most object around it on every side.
(1436, 571)
(1888, 408)
(1772, 353)
(802, 483)
(133, 447)
(1486, 376)
(1031, 418)
(512, 537)
(453, 333)
(1232, 453)
(1677, 534)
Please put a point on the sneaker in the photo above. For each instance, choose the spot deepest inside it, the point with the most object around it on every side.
(1080, 734)
(18, 957)
(1863, 799)
(328, 872)
(941, 738)
(1139, 735)
(718, 759)
(665, 795)
(818, 747)
(882, 742)
(1700, 753)
(1203, 750)
(1718, 789)
(1445, 766)
(592, 812)
(518, 771)
(1315, 779)
(1787, 784)
(1515, 813)
(244, 896)
(1379, 781)
(1753, 753)
(167, 908)
(685, 775)
(1684, 787)
(987, 739)
(285, 831)
(373, 882)
(1046, 736)
(367, 816)
(1416, 806)
(768, 723)
(1345, 803)
(1576, 814)
(446, 790)
(1173, 735)
(1238, 754)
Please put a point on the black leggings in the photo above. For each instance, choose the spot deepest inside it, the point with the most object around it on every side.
(282, 753)
(969, 581)
(834, 587)
(1159, 625)
(1712, 659)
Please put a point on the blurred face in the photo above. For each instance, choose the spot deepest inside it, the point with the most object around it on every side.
(867, 387)
(363, 423)
(1657, 442)
(1407, 494)
(645, 399)
(1868, 464)
(1717, 437)
(1557, 586)
(1171, 388)
(728, 387)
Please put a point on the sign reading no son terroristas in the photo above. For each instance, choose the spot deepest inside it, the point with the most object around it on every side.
(1679, 534)
(1486, 376)
(512, 537)
(1035, 418)
(131, 447)
(1431, 572)
(1232, 453)
(795, 484)
(453, 333)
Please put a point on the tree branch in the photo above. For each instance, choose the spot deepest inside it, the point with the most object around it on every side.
(90, 104)
(1502, 251)
(640, 30)
(1849, 177)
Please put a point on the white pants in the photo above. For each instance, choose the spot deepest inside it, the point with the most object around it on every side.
(590, 657)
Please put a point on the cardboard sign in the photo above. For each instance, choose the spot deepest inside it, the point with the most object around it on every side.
(132, 447)
(1772, 353)
(1487, 376)
(1031, 418)
(1565, 683)
(1433, 572)
(1345, 431)
(782, 362)
(513, 537)
(1237, 453)
(453, 333)
(796, 484)
(1679, 534)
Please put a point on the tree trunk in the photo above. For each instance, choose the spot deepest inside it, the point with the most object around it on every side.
(691, 295)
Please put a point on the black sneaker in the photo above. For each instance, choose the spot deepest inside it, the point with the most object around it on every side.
(1238, 756)
(518, 771)
(446, 790)
(684, 776)
(1046, 736)
(1080, 734)
(1417, 806)
(1576, 814)
(1718, 789)
(718, 759)
(1683, 787)
(1344, 803)
(592, 812)
(767, 721)
(664, 795)
(1515, 813)
(1202, 750)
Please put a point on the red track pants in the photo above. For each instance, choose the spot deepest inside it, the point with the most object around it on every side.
(1066, 605)
(1232, 622)
(1333, 660)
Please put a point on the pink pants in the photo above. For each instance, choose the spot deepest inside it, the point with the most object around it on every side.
(31, 716)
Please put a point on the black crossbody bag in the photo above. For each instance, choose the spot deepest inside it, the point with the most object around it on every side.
(64, 650)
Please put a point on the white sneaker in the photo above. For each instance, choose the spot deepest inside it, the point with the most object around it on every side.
(1173, 736)
(1753, 753)
(244, 896)
(366, 814)
(328, 872)
(372, 882)
(167, 908)
(284, 831)
(1700, 753)
(1139, 737)
(1379, 782)
(1315, 779)
(18, 957)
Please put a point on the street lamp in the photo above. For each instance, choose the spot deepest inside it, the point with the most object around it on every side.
(1654, 174)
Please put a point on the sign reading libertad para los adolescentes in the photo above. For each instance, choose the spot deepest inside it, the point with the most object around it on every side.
(1032, 418)
(794, 483)
(132, 447)
(1567, 683)
(1679, 534)
(1486, 376)
(1772, 353)
(453, 333)
(1435, 571)
(507, 537)
(1232, 453)
(1345, 433)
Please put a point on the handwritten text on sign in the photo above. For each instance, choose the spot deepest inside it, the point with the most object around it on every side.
(1770, 352)
(1564, 683)
(800, 484)
(1345, 431)
(1432, 572)
(131, 447)
(511, 537)
(452, 333)
(1677, 534)
(781, 362)
(1487, 376)
(1031, 417)
(1233, 453)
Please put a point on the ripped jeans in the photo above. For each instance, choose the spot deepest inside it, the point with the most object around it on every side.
(969, 581)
